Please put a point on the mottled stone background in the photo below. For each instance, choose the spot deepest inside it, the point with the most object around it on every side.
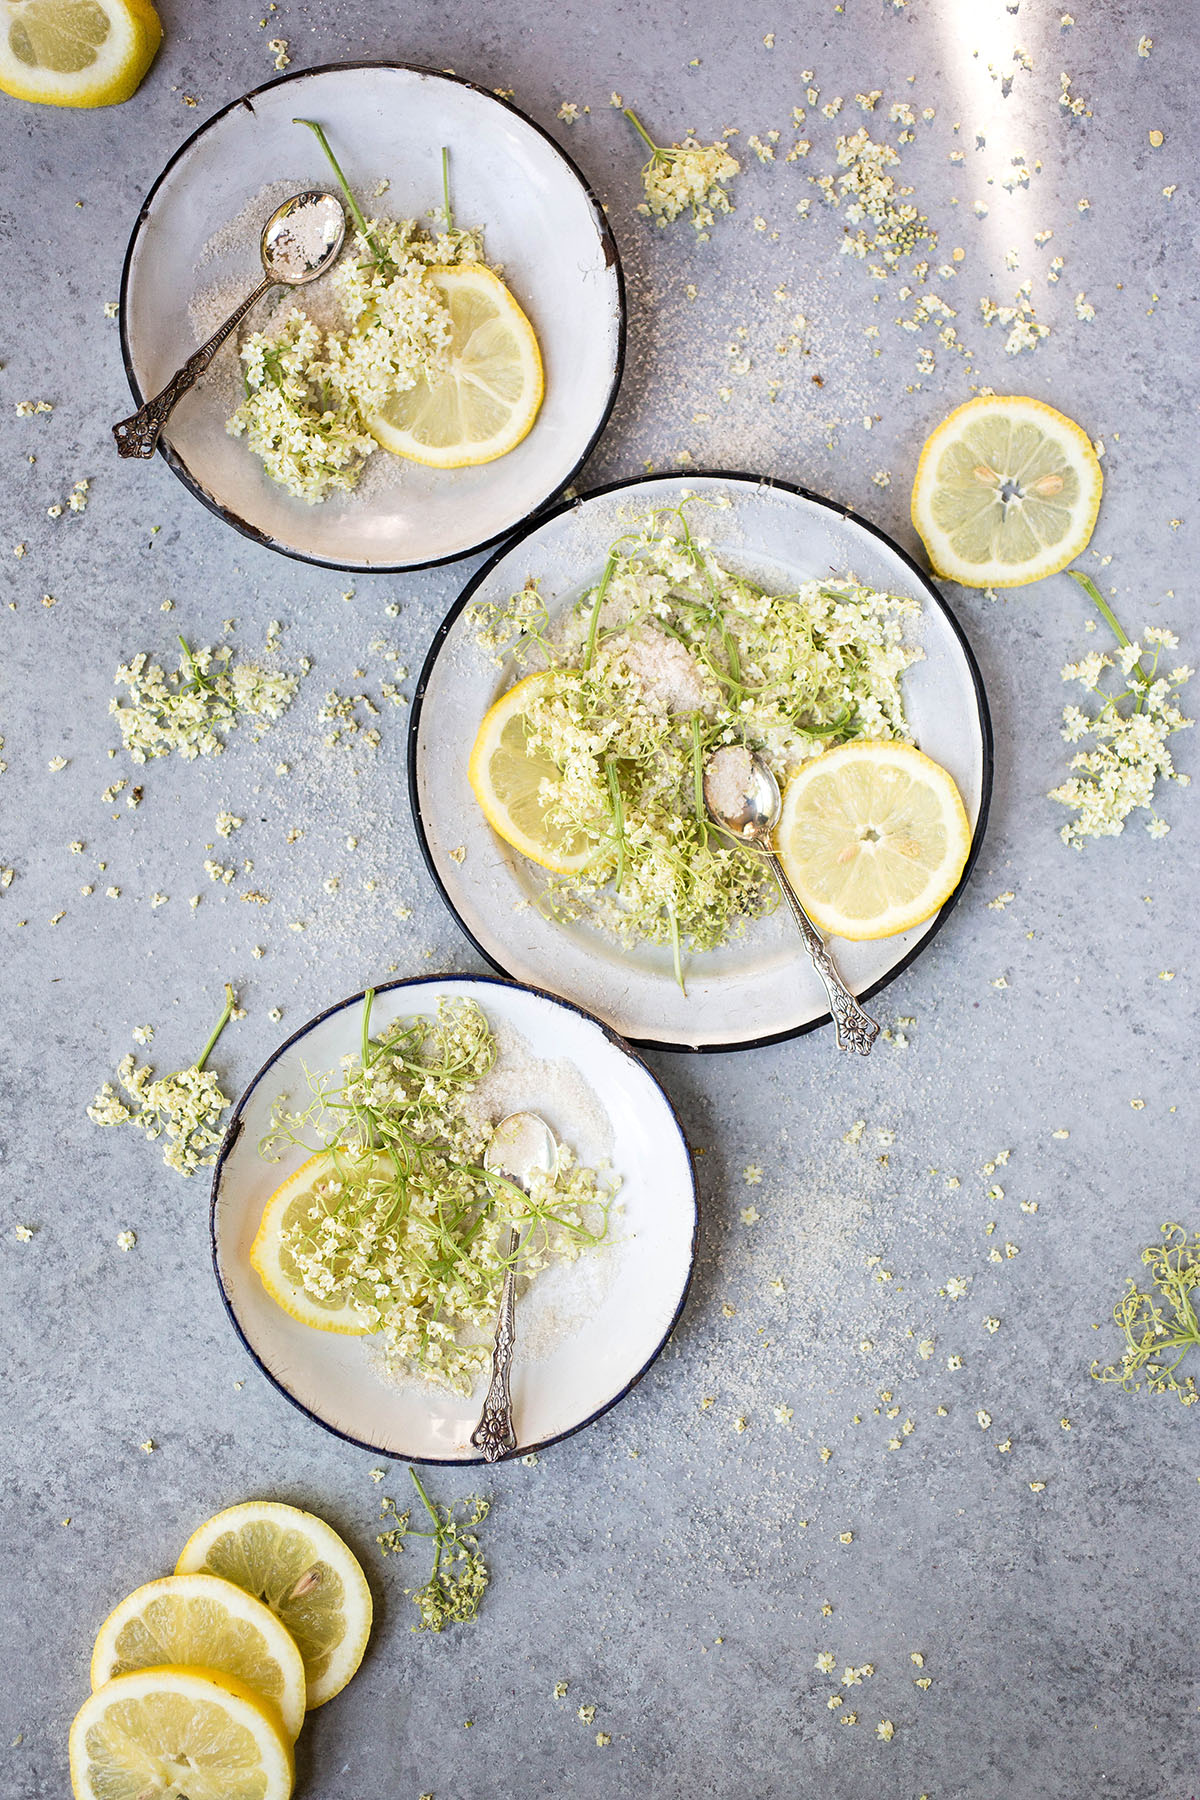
(672, 1569)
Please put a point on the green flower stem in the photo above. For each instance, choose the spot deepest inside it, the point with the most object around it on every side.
(597, 603)
(1101, 604)
(618, 812)
(641, 130)
(447, 214)
(351, 202)
(218, 1028)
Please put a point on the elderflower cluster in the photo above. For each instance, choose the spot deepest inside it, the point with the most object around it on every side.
(689, 174)
(186, 1106)
(897, 229)
(1131, 732)
(1158, 1323)
(311, 392)
(1024, 331)
(193, 709)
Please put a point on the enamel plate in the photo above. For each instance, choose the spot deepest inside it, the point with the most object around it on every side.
(586, 1331)
(761, 987)
(193, 257)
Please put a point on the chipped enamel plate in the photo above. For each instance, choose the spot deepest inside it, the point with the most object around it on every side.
(386, 121)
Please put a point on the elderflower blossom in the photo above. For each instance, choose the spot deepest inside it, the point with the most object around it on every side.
(670, 658)
(686, 174)
(1024, 330)
(1131, 732)
(187, 1106)
(311, 392)
(194, 708)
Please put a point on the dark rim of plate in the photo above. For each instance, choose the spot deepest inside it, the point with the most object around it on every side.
(233, 1137)
(612, 260)
(758, 481)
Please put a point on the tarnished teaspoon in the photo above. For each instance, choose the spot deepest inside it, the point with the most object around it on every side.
(521, 1146)
(742, 797)
(301, 239)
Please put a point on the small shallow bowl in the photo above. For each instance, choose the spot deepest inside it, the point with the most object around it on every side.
(760, 987)
(572, 1362)
(540, 220)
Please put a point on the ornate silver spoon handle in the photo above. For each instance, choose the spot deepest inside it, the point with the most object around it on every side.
(138, 435)
(494, 1434)
(856, 1030)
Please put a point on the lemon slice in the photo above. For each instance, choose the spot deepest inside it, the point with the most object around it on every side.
(76, 52)
(489, 396)
(1007, 490)
(507, 779)
(198, 1621)
(873, 837)
(276, 1267)
(299, 1567)
(165, 1732)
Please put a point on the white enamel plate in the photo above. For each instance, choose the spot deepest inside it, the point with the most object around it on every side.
(385, 121)
(586, 1332)
(761, 986)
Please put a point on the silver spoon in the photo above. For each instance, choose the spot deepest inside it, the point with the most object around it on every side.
(301, 239)
(742, 797)
(521, 1146)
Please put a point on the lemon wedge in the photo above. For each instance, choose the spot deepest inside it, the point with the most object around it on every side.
(488, 397)
(199, 1621)
(1006, 491)
(873, 837)
(163, 1732)
(298, 1567)
(507, 779)
(76, 52)
(275, 1266)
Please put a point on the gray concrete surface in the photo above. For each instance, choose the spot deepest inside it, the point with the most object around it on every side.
(674, 1570)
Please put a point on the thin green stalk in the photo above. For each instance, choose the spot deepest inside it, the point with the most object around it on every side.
(351, 202)
(618, 806)
(218, 1028)
(1101, 604)
(641, 130)
(447, 215)
(597, 603)
(674, 922)
(368, 1003)
(698, 780)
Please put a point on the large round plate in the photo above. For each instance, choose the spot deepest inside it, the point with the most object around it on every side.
(540, 221)
(761, 987)
(585, 1335)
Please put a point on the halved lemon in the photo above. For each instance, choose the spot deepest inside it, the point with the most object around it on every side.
(873, 837)
(507, 777)
(200, 1621)
(165, 1732)
(1006, 491)
(298, 1566)
(275, 1265)
(489, 396)
(76, 52)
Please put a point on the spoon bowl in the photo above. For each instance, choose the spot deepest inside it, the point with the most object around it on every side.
(303, 238)
(741, 794)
